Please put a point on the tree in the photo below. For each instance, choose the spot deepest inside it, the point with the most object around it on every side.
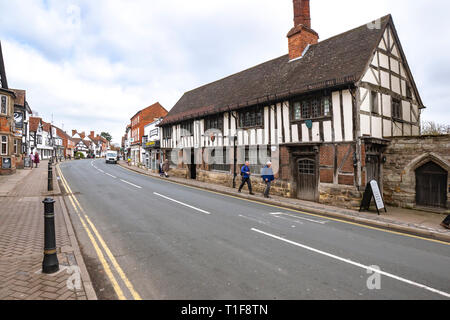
(107, 136)
(431, 128)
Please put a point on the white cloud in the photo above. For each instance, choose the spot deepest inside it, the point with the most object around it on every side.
(93, 64)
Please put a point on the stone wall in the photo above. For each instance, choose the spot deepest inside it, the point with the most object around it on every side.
(403, 157)
(340, 196)
(279, 187)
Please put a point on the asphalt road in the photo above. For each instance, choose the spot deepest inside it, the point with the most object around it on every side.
(176, 242)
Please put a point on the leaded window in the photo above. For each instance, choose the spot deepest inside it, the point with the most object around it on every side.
(215, 122)
(311, 108)
(306, 166)
(167, 133)
(297, 111)
(220, 160)
(3, 107)
(251, 118)
(374, 105)
(187, 129)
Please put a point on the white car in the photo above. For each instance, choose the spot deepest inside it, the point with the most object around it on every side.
(111, 157)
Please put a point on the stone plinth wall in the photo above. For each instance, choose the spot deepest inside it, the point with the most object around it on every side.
(340, 196)
(279, 187)
(404, 156)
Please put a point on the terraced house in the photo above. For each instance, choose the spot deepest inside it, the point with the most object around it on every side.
(324, 112)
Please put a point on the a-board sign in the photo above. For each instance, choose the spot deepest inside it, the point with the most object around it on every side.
(6, 163)
(372, 191)
(27, 162)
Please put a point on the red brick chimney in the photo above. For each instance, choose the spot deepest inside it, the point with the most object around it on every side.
(92, 134)
(301, 35)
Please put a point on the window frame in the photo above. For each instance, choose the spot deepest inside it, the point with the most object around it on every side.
(256, 116)
(4, 144)
(224, 167)
(311, 107)
(374, 109)
(189, 127)
(255, 169)
(3, 104)
(397, 114)
(167, 132)
(16, 146)
(214, 122)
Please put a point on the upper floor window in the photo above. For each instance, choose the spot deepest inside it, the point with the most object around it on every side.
(251, 118)
(167, 133)
(310, 108)
(214, 122)
(397, 109)
(3, 106)
(374, 104)
(187, 129)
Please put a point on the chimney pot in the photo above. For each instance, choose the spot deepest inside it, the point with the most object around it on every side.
(302, 13)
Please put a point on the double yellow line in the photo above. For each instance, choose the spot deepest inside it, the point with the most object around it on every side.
(86, 222)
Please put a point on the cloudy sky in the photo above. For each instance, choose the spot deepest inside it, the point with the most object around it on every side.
(93, 64)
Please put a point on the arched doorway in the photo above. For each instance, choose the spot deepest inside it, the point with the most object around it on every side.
(431, 185)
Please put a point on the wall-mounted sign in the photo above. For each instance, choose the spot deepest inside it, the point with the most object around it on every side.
(372, 191)
(152, 144)
(18, 120)
(309, 124)
(6, 163)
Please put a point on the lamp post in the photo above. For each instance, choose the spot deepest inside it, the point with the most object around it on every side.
(234, 161)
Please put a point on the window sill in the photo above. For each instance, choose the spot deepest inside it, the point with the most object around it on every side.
(313, 119)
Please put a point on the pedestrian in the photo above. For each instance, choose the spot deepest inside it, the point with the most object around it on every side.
(166, 168)
(160, 167)
(129, 161)
(245, 173)
(31, 159)
(268, 177)
(36, 159)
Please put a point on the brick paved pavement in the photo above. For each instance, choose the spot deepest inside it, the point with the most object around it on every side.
(22, 243)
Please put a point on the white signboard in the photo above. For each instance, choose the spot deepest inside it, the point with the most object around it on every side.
(377, 194)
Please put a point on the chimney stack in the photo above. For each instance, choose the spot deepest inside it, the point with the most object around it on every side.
(74, 132)
(92, 134)
(301, 35)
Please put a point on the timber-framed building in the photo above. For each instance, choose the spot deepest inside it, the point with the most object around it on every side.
(326, 112)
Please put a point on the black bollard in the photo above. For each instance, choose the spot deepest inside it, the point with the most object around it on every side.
(50, 178)
(50, 264)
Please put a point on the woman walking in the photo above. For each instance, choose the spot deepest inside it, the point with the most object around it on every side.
(36, 159)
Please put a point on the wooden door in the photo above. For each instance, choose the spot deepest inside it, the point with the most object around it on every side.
(431, 185)
(307, 179)
(373, 168)
(193, 166)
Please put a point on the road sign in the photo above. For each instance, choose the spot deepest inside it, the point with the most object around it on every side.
(372, 191)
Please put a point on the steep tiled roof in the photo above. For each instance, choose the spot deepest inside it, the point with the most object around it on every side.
(20, 97)
(34, 123)
(155, 111)
(340, 60)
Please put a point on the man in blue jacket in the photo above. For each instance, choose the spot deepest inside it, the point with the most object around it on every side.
(245, 173)
(268, 177)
